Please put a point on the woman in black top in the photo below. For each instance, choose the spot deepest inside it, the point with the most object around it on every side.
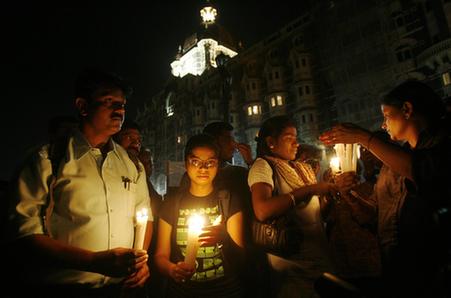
(221, 241)
(413, 187)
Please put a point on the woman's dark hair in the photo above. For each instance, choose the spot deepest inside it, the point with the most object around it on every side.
(91, 81)
(272, 127)
(424, 100)
(201, 140)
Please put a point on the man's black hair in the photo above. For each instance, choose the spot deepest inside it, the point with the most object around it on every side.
(215, 129)
(130, 125)
(91, 81)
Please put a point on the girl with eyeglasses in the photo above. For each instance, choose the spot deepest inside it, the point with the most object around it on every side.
(221, 239)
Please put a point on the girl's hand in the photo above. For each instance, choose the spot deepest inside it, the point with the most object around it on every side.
(181, 272)
(211, 235)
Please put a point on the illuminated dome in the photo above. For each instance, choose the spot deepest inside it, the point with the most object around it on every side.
(199, 50)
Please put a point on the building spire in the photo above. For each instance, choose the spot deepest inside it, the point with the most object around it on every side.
(208, 14)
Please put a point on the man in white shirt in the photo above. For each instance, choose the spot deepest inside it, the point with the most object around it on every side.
(84, 243)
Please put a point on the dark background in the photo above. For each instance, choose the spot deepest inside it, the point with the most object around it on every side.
(47, 44)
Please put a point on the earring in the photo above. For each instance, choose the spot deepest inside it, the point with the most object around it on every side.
(271, 146)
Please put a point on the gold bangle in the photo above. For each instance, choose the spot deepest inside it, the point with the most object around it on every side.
(293, 199)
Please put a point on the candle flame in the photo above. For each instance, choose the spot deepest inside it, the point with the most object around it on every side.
(141, 215)
(195, 223)
(335, 164)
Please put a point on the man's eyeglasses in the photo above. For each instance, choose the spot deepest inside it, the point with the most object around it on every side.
(198, 163)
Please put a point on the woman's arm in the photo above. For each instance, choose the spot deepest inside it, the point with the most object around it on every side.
(267, 206)
(235, 228)
(394, 156)
(180, 271)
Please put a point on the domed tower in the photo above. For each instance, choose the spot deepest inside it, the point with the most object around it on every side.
(199, 51)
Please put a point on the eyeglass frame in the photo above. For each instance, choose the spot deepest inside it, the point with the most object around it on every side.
(203, 163)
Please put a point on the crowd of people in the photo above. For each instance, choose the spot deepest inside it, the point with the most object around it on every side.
(382, 231)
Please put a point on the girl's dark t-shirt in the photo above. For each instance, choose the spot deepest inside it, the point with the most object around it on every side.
(214, 276)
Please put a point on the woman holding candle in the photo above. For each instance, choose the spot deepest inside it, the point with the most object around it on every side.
(412, 187)
(200, 232)
(279, 185)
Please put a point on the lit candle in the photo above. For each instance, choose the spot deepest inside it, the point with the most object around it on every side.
(195, 225)
(335, 164)
(140, 228)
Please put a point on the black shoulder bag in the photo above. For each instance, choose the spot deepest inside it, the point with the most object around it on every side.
(280, 235)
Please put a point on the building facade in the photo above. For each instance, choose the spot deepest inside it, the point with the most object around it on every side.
(329, 65)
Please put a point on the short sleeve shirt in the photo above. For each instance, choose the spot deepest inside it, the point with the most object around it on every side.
(96, 198)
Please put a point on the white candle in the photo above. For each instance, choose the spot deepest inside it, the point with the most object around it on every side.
(335, 164)
(195, 225)
(140, 228)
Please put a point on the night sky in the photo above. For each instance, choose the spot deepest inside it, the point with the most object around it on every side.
(48, 44)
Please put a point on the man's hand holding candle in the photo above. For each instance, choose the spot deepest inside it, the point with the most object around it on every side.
(140, 272)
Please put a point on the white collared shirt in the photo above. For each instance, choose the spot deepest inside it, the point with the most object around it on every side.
(94, 208)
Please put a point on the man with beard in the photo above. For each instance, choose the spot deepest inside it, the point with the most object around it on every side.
(72, 221)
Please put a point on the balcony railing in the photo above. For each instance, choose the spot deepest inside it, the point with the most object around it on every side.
(434, 51)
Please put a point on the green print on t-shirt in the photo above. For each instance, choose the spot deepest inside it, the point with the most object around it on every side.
(209, 262)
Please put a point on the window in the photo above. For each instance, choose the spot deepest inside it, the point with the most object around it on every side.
(253, 86)
(179, 139)
(311, 117)
(254, 110)
(403, 54)
(304, 62)
(273, 102)
(170, 110)
(307, 89)
(276, 74)
(279, 100)
(303, 119)
(407, 54)
(446, 78)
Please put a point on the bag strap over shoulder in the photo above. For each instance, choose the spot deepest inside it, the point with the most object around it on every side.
(275, 191)
(224, 203)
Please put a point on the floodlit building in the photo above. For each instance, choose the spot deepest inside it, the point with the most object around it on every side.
(331, 64)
